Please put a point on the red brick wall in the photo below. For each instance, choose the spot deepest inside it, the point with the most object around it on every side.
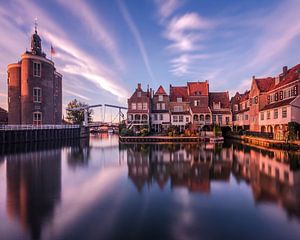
(51, 101)
(14, 94)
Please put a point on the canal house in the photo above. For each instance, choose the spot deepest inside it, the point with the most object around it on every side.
(283, 103)
(160, 110)
(258, 99)
(198, 95)
(139, 105)
(240, 111)
(220, 107)
(179, 107)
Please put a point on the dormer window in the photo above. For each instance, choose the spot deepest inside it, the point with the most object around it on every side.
(216, 105)
(139, 94)
(197, 93)
(236, 107)
(196, 103)
(160, 98)
(179, 99)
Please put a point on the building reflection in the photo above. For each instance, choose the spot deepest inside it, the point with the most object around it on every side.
(274, 175)
(33, 188)
(78, 155)
(190, 166)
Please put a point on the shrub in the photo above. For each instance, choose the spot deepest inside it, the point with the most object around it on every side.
(293, 129)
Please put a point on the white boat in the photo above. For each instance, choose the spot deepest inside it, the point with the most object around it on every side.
(216, 139)
(110, 130)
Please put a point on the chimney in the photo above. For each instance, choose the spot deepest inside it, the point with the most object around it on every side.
(139, 86)
(253, 77)
(151, 96)
(284, 70)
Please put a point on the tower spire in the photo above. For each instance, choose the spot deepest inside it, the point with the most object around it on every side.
(35, 25)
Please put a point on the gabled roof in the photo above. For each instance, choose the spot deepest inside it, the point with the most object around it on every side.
(177, 92)
(292, 74)
(265, 84)
(197, 87)
(278, 104)
(160, 91)
(196, 109)
(143, 93)
(222, 97)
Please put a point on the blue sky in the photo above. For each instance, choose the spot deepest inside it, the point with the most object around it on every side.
(104, 48)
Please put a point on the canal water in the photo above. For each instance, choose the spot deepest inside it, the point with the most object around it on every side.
(100, 189)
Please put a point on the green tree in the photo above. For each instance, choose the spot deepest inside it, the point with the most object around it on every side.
(77, 116)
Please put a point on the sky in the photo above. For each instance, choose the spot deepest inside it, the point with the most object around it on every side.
(104, 48)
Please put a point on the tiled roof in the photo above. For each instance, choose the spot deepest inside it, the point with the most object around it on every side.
(197, 87)
(222, 97)
(245, 96)
(265, 84)
(220, 111)
(181, 113)
(159, 111)
(160, 91)
(242, 111)
(278, 104)
(200, 110)
(292, 75)
(177, 92)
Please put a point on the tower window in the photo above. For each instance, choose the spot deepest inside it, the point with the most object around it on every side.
(36, 69)
(37, 95)
(37, 118)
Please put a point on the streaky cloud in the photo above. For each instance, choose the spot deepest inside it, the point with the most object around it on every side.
(135, 32)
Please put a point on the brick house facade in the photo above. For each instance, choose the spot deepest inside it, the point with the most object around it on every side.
(283, 103)
(186, 106)
(160, 110)
(179, 107)
(220, 108)
(139, 105)
(258, 99)
(199, 103)
(240, 111)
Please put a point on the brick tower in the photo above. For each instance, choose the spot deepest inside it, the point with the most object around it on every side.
(34, 88)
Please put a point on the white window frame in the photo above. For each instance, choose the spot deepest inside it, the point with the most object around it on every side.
(163, 106)
(275, 116)
(157, 106)
(35, 119)
(179, 99)
(145, 106)
(139, 106)
(37, 71)
(37, 98)
(160, 98)
(284, 112)
(133, 106)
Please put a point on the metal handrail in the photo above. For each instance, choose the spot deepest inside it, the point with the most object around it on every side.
(36, 127)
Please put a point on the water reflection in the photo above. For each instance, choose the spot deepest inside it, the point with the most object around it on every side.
(33, 188)
(190, 166)
(273, 175)
(183, 191)
(78, 155)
